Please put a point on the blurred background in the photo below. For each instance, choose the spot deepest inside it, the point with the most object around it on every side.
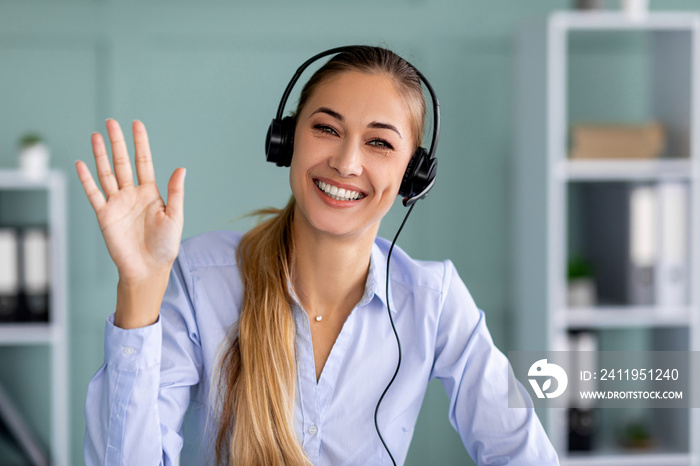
(206, 78)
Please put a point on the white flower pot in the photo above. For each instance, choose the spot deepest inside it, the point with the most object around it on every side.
(635, 8)
(581, 292)
(34, 161)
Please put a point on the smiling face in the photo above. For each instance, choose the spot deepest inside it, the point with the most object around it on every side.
(352, 144)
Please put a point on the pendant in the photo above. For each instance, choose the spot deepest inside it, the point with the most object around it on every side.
(319, 318)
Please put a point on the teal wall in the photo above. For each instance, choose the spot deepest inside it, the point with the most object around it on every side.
(206, 78)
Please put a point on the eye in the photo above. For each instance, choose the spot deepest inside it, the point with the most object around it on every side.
(326, 129)
(381, 144)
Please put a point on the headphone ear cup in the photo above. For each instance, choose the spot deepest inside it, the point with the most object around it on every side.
(279, 142)
(419, 174)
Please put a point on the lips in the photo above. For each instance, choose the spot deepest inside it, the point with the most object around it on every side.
(339, 194)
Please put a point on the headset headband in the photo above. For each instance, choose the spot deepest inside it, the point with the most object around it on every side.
(307, 63)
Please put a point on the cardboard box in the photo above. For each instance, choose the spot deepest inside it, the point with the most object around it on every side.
(607, 141)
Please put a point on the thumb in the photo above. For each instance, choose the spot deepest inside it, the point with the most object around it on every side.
(176, 194)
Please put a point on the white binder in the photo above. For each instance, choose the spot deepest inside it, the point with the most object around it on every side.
(35, 272)
(9, 273)
(643, 250)
(672, 260)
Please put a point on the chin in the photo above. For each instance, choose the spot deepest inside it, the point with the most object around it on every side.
(338, 224)
(337, 227)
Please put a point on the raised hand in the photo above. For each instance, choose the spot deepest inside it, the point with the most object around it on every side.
(141, 232)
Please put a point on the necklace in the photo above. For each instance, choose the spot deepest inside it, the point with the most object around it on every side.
(319, 318)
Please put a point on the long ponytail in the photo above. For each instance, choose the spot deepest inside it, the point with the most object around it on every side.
(257, 373)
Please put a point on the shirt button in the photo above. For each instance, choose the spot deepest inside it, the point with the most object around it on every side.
(128, 350)
(313, 429)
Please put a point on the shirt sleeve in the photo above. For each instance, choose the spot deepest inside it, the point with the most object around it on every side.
(137, 400)
(475, 375)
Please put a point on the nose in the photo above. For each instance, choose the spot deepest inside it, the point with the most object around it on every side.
(348, 160)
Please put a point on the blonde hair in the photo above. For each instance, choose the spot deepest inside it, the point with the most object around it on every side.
(255, 398)
(376, 60)
(257, 371)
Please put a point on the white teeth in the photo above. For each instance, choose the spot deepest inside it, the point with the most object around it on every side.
(339, 194)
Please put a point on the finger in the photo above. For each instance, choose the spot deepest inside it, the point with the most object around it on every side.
(97, 200)
(142, 154)
(176, 194)
(120, 156)
(104, 168)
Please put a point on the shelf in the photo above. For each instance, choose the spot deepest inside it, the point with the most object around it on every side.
(15, 179)
(623, 170)
(27, 333)
(623, 316)
(617, 20)
(605, 66)
(629, 459)
(26, 202)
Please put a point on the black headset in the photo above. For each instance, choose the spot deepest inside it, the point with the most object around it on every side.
(420, 173)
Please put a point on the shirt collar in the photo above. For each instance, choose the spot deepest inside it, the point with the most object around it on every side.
(376, 279)
(375, 285)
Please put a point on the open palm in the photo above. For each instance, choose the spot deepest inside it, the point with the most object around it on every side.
(141, 232)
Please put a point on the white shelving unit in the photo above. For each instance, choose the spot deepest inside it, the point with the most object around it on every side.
(545, 181)
(51, 334)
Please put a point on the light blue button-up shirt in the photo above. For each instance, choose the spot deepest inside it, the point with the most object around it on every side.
(137, 401)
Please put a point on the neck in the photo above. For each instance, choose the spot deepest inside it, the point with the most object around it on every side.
(329, 272)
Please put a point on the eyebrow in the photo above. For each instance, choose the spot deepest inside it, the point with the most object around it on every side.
(339, 117)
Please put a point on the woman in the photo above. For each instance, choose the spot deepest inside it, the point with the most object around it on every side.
(279, 339)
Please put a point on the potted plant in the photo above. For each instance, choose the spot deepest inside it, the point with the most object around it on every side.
(636, 436)
(33, 156)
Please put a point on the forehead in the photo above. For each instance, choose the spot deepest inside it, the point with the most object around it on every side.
(363, 97)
